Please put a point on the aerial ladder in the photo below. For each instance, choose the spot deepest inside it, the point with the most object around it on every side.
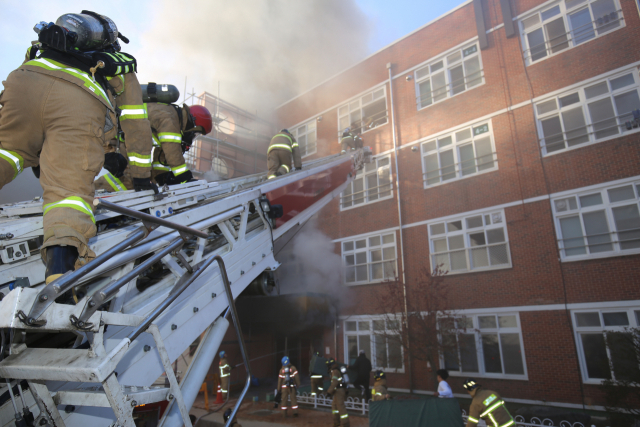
(86, 349)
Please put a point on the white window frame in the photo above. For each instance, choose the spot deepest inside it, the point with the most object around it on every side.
(491, 220)
(310, 128)
(477, 331)
(424, 73)
(371, 353)
(561, 209)
(564, 14)
(347, 108)
(431, 147)
(370, 263)
(365, 193)
(584, 104)
(579, 330)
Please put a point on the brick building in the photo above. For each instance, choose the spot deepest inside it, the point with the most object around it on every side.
(506, 120)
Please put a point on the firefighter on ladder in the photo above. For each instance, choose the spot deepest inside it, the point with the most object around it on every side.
(487, 405)
(57, 114)
(338, 390)
(317, 379)
(283, 145)
(288, 381)
(225, 372)
(350, 141)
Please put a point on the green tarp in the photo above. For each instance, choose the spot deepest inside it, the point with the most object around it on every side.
(415, 413)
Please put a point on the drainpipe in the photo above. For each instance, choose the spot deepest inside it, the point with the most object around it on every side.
(404, 276)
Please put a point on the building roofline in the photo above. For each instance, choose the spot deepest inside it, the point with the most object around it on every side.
(376, 52)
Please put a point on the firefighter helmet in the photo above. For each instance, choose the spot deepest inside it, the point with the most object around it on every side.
(285, 131)
(285, 361)
(470, 384)
(94, 31)
(227, 415)
(379, 375)
(222, 354)
(201, 117)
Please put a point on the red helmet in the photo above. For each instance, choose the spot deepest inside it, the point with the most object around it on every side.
(201, 117)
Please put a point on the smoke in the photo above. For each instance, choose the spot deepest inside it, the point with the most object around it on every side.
(309, 264)
(263, 52)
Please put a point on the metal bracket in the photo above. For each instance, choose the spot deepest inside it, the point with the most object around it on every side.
(30, 321)
(79, 324)
(178, 254)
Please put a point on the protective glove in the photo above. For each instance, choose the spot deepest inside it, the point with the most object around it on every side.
(142, 184)
(115, 163)
(162, 178)
(115, 63)
(179, 179)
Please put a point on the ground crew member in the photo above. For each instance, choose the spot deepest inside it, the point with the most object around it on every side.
(338, 390)
(225, 372)
(227, 415)
(288, 381)
(317, 379)
(62, 97)
(488, 405)
(351, 141)
(380, 387)
(283, 145)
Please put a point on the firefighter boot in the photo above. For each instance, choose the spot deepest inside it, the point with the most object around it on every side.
(59, 260)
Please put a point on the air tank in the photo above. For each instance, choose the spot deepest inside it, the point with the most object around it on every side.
(89, 30)
(263, 285)
(153, 92)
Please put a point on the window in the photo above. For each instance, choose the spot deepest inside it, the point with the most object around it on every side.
(589, 114)
(371, 184)
(484, 345)
(454, 73)
(373, 336)
(364, 113)
(472, 243)
(307, 136)
(598, 222)
(370, 259)
(567, 24)
(466, 152)
(605, 343)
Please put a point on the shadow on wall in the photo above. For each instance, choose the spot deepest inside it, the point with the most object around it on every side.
(25, 187)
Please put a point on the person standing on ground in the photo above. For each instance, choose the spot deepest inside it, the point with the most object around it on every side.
(443, 387)
(288, 381)
(487, 405)
(363, 368)
(338, 391)
(380, 387)
(225, 372)
(317, 379)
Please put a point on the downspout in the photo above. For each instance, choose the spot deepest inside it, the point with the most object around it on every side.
(404, 276)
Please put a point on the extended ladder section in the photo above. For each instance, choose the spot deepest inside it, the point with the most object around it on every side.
(91, 344)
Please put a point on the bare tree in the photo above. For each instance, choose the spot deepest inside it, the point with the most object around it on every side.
(426, 327)
(622, 394)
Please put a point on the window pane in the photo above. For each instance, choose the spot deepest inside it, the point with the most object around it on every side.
(375, 113)
(364, 343)
(457, 80)
(378, 325)
(605, 15)
(572, 240)
(389, 254)
(615, 319)
(549, 13)
(565, 101)
(463, 135)
(467, 160)
(581, 26)
(603, 118)
(621, 193)
(477, 239)
(436, 228)
(487, 322)
(351, 326)
(374, 241)
(454, 57)
(454, 226)
(395, 354)
(499, 254)
(372, 187)
(508, 321)
(361, 243)
(491, 351)
(479, 257)
(573, 3)
(358, 191)
(627, 218)
(588, 319)
(495, 236)
(450, 352)
(347, 246)
(364, 326)
(443, 142)
(512, 354)
(361, 258)
(439, 87)
(428, 146)
(376, 271)
(598, 237)
(475, 221)
(376, 255)
(620, 82)
(566, 204)
(537, 48)
(590, 200)
(531, 22)
(390, 238)
(422, 72)
(547, 106)
(361, 274)
(472, 72)
(552, 131)
(625, 104)
(381, 352)
(350, 275)
(595, 355)
(390, 270)
(440, 245)
(432, 169)
(441, 262)
(425, 93)
(557, 35)
(458, 260)
(437, 66)
(624, 355)
(384, 182)
(349, 260)
(575, 127)
(352, 345)
(468, 352)
(596, 90)
(484, 154)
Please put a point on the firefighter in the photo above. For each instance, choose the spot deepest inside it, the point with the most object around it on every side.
(380, 387)
(338, 390)
(227, 415)
(351, 141)
(283, 145)
(488, 405)
(225, 372)
(62, 97)
(288, 381)
(317, 379)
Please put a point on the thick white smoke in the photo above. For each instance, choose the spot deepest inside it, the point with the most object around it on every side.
(263, 52)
